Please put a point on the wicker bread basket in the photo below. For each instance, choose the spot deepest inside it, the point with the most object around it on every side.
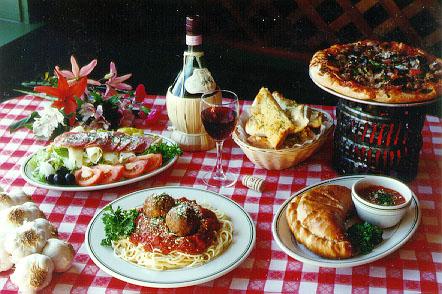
(278, 159)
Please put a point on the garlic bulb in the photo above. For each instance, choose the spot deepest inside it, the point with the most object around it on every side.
(61, 253)
(19, 196)
(5, 201)
(14, 216)
(47, 229)
(30, 238)
(33, 273)
(15, 197)
(5, 259)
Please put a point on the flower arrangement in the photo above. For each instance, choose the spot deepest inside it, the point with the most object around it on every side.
(109, 103)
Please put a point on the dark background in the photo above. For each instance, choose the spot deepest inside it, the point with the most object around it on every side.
(248, 44)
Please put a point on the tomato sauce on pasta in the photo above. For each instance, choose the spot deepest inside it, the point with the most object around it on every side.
(152, 233)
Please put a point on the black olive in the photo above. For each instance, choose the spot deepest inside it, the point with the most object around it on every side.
(62, 171)
(69, 179)
(399, 81)
(59, 180)
(50, 179)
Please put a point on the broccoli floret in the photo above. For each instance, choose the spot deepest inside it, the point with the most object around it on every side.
(365, 236)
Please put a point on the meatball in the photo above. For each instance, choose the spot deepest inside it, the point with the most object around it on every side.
(182, 220)
(158, 205)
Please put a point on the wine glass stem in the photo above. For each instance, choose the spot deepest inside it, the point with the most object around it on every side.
(219, 172)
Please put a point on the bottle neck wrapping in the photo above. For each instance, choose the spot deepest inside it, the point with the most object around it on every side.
(194, 40)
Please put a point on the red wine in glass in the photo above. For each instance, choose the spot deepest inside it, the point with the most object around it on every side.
(219, 121)
(219, 113)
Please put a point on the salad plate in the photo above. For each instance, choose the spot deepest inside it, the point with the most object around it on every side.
(26, 172)
(244, 236)
(393, 238)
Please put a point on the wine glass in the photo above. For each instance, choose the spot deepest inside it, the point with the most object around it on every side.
(219, 114)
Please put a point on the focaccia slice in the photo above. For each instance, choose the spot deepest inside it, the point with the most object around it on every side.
(268, 119)
(301, 115)
(258, 141)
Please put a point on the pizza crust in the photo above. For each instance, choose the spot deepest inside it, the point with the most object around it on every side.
(319, 73)
(332, 82)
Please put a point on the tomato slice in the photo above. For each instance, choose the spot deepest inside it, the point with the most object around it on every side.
(154, 161)
(135, 168)
(87, 176)
(111, 173)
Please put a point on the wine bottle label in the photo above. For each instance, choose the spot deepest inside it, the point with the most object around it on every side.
(200, 81)
(194, 54)
(194, 40)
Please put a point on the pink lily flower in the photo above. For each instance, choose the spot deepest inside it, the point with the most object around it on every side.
(77, 73)
(116, 83)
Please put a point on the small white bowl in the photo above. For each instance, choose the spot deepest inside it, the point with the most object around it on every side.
(382, 216)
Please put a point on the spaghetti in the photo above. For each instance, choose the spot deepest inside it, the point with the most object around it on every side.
(158, 259)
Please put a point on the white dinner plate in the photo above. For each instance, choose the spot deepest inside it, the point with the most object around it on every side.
(244, 235)
(27, 175)
(393, 237)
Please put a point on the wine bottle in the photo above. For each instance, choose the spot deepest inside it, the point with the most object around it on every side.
(194, 79)
(183, 98)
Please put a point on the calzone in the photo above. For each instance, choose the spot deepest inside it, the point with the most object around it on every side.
(317, 220)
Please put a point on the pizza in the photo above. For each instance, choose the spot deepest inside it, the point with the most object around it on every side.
(387, 72)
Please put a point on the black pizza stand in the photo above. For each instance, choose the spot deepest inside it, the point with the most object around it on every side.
(377, 138)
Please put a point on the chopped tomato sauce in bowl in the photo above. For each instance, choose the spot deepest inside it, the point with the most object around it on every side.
(380, 200)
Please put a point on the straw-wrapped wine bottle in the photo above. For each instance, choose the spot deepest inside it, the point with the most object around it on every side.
(183, 97)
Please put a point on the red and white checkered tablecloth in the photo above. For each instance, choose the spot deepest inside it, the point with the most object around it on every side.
(416, 267)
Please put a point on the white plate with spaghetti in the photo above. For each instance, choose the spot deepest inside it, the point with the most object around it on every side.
(242, 242)
(393, 237)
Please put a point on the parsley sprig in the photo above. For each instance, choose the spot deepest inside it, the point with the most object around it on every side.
(365, 236)
(382, 197)
(118, 224)
(167, 151)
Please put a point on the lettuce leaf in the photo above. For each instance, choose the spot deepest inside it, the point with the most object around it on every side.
(55, 156)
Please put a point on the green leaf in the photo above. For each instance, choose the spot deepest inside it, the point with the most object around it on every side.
(60, 129)
(383, 197)
(31, 84)
(23, 123)
(97, 99)
(61, 151)
(167, 151)
(145, 110)
(118, 224)
(114, 100)
(79, 101)
(41, 95)
(376, 64)
(365, 236)
(42, 155)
